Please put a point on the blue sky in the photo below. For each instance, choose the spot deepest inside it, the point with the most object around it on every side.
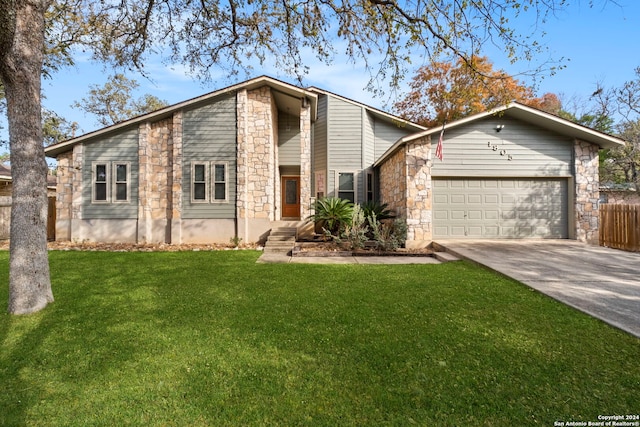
(598, 44)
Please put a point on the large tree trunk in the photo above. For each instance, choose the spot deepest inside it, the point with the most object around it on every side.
(21, 56)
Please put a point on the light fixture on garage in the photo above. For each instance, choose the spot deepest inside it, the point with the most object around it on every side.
(499, 128)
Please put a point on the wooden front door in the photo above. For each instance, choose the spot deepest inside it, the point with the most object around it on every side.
(290, 194)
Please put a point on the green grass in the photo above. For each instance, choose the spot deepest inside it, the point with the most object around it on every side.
(212, 338)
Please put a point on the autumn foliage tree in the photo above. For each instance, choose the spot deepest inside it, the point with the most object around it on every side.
(446, 91)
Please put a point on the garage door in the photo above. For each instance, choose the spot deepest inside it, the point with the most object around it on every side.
(500, 208)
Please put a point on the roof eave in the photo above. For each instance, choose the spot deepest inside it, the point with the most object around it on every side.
(57, 149)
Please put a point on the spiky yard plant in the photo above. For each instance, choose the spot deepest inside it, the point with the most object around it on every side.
(332, 214)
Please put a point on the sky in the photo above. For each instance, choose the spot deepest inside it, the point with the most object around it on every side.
(599, 44)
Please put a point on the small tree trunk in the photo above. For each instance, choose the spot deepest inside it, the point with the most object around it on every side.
(20, 69)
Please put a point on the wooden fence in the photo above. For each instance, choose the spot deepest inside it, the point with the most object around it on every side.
(5, 218)
(620, 227)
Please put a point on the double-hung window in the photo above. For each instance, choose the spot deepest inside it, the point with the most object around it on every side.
(370, 187)
(209, 182)
(347, 186)
(200, 182)
(219, 182)
(111, 182)
(121, 181)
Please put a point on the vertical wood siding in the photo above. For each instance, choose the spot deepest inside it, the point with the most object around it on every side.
(123, 147)
(534, 152)
(209, 134)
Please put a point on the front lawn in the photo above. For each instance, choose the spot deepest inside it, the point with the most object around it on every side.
(212, 338)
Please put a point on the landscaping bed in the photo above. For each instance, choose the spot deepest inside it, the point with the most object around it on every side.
(333, 249)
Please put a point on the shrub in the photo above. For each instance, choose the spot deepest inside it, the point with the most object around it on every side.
(380, 210)
(332, 214)
(388, 236)
(355, 233)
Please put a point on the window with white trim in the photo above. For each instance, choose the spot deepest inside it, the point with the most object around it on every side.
(347, 186)
(209, 182)
(219, 182)
(111, 182)
(100, 187)
(121, 182)
(200, 182)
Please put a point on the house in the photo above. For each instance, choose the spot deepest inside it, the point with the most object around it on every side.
(6, 189)
(239, 161)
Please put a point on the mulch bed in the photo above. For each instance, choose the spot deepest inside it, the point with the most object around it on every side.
(332, 249)
(132, 247)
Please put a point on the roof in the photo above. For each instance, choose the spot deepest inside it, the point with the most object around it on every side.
(376, 112)
(5, 176)
(285, 94)
(527, 114)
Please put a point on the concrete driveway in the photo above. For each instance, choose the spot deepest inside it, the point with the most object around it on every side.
(604, 283)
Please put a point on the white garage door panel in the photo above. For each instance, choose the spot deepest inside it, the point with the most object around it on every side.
(503, 208)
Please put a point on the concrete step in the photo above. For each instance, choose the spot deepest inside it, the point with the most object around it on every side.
(278, 249)
(284, 231)
(445, 257)
(283, 238)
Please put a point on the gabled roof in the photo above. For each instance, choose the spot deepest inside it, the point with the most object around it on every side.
(376, 112)
(283, 91)
(526, 114)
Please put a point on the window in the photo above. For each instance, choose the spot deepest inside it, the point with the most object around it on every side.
(199, 179)
(100, 182)
(346, 186)
(111, 182)
(209, 182)
(121, 182)
(220, 182)
(370, 191)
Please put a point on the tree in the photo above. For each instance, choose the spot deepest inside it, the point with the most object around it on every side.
(56, 128)
(621, 165)
(445, 91)
(113, 102)
(123, 33)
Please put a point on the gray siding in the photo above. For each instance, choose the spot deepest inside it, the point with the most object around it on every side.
(288, 139)
(122, 147)
(320, 142)
(344, 135)
(468, 151)
(369, 141)
(344, 132)
(386, 135)
(209, 134)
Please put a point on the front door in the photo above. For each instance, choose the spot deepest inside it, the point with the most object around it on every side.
(290, 197)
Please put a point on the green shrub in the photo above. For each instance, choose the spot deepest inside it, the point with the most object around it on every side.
(355, 233)
(389, 236)
(332, 214)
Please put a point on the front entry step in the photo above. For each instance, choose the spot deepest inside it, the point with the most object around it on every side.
(281, 240)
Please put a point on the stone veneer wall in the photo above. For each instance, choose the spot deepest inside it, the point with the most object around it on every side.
(155, 154)
(256, 168)
(64, 196)
(305, 161)
(405, 185)
(419, 193)
(587, 192)
(176, 183)
(69, 192)
(393, 184)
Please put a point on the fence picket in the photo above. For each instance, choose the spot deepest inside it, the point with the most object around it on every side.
(620, 226)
